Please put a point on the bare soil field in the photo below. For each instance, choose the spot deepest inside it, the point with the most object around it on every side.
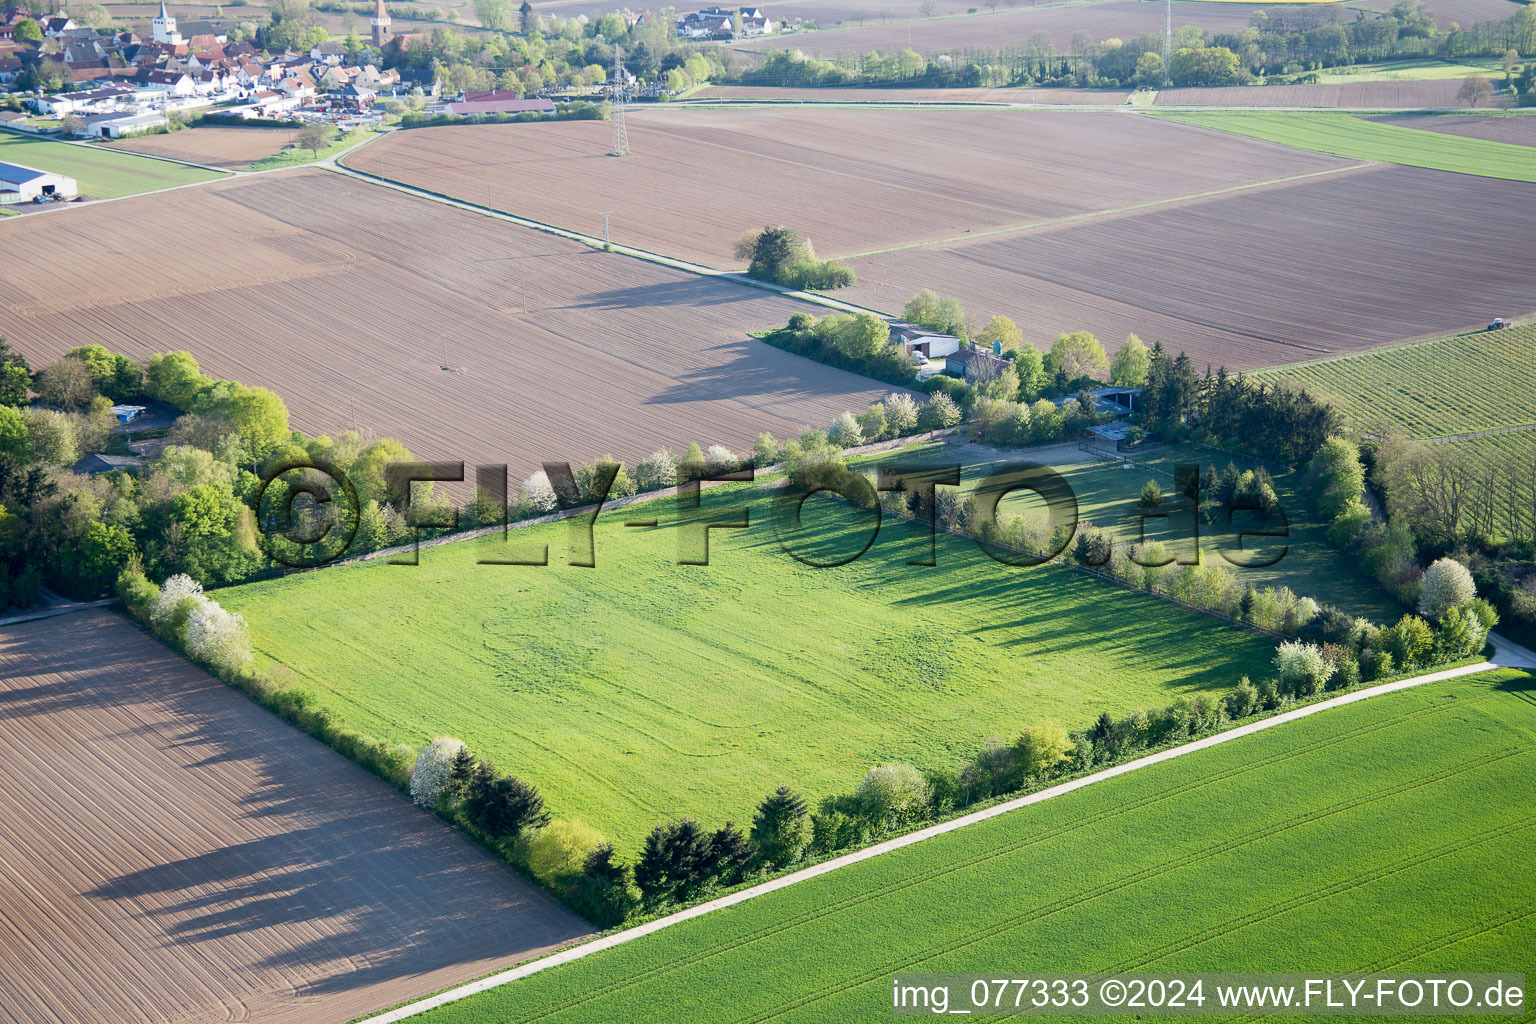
(1006, 27)
(349, 300)
(1367, 95)
(215, 145)
(256, 12)
(1248, 279)
(1519, 130)
(175, 854)
(698, 178)
(1056, 97)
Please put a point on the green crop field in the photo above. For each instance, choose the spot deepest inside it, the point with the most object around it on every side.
(642, 689)
(1442, 388)
(101, 173)
(1413, 69)
(1390, 835)
(1362, 139)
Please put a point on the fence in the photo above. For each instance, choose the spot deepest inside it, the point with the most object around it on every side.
(1099, 451)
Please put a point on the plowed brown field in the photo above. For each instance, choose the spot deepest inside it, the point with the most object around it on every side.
(349, 299)
(1367, 95)
(850, 180)
(1047, 97)
(1006, 27)
(1519, 130)
(215, 145)
(1249, 279)
(175, 854)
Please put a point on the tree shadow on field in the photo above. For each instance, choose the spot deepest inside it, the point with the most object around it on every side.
(749, 369)
(1029, 610)
(299, 873)
(689, 291)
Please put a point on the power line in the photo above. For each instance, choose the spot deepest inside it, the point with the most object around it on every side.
(620, 133)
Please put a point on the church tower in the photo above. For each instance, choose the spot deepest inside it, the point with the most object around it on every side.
(164, 27)
(380, 21)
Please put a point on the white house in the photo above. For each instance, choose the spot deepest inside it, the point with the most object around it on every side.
(172, 83)
(20, 184)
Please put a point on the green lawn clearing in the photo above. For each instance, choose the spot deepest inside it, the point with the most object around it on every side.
(1361, 139)
(293, 155)
(101, 173)
(642, 689)
(1449, 386)
(1391, 835)
(1109, 496)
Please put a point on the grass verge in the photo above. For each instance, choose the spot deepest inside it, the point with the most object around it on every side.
(1355, 137)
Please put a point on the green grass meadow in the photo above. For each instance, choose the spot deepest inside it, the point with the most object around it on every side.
(100, 172)
(1361, 139)
(1109, 495)
(1391, 835)
(1456, 385)
(642, 689)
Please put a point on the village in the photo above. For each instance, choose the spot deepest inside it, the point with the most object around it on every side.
(101, 83)
(120, 84)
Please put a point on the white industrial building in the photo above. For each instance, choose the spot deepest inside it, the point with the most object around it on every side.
(20, 184)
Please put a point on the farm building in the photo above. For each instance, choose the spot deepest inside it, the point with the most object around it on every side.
(915, 339)
(20, 184)
(973, 364)
(503, 103)
(117, 126)
(1109, 401)
(93, 464)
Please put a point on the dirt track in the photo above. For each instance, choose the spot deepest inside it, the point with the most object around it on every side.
(350, 299)
(173, 853)
(698, 178)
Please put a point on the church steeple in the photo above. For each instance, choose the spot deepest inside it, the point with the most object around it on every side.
(164, 27)
(380, 21)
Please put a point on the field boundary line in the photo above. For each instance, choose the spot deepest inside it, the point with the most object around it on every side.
(1116, 211)
(579, 952)
(671, 262)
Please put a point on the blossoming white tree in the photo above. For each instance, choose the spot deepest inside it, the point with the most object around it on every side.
(1302, 668)
(719, 457)
(845, 432)
(540, 492)
(1447, 584)
(434, 766)
(657, 471)
(218, 637)
(172, 592)
(900, 414)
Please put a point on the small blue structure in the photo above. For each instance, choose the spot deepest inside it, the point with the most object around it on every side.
(127, 413)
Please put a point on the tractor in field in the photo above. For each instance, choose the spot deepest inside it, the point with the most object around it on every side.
(1499, 323)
